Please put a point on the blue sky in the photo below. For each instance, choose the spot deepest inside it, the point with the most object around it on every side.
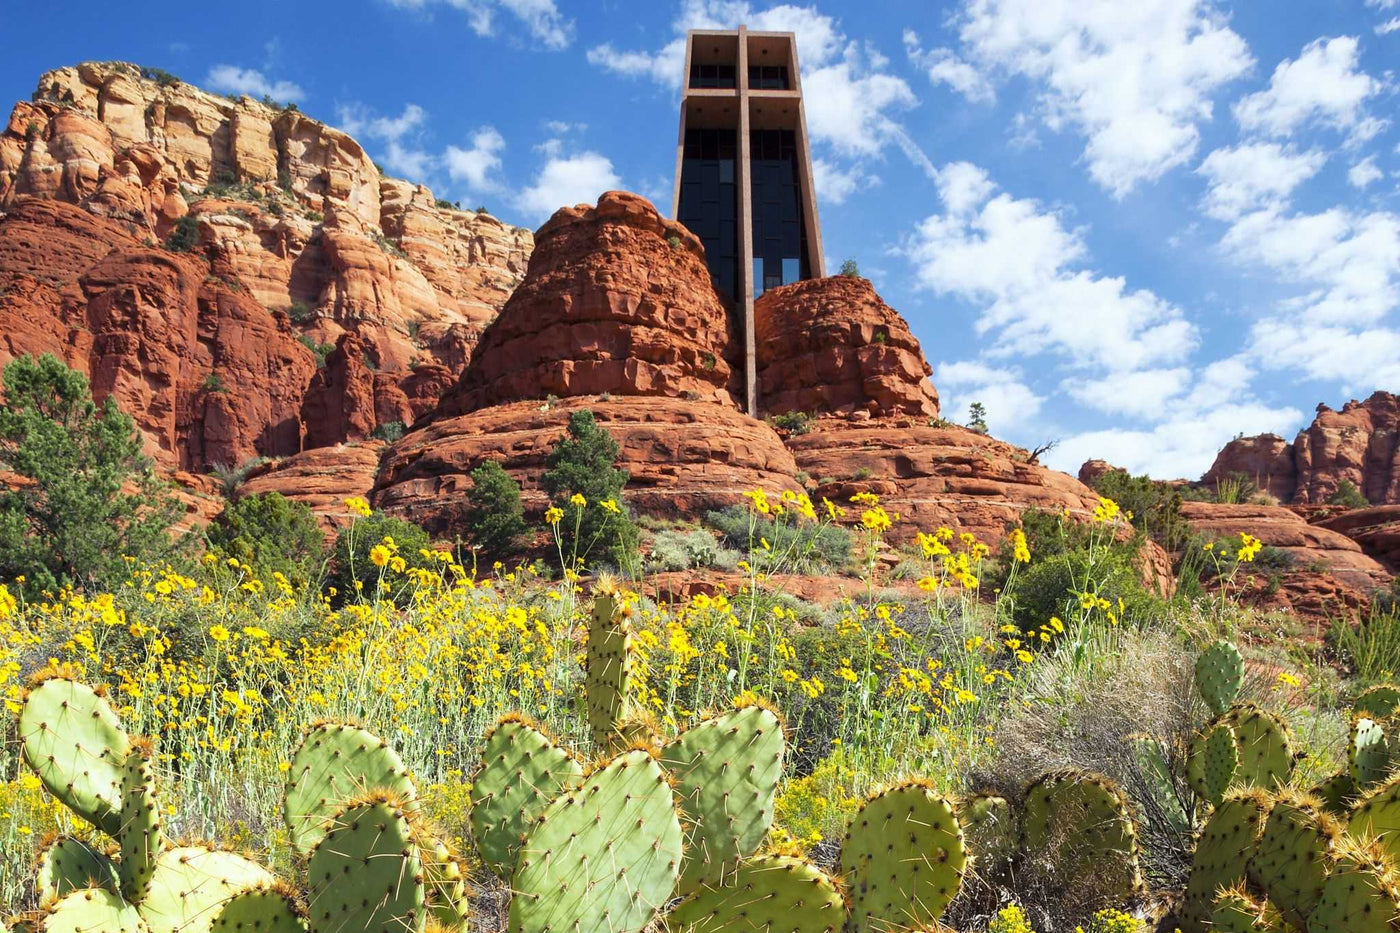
(1135, 228)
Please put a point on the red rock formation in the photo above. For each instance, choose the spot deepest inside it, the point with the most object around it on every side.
(833, 346)
(1376, 530)
(1265, 459)
(949, 476)
(322, 478)
(683, 457)
(1091, 470)
(616, 300)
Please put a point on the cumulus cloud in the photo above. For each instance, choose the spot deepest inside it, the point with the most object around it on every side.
(230, 79)
(1251, 176)
(1135, 79)
(1323, 85)
(477, 166)
(1020, 265)
(1364, 172)
(541, 18)
(1010, 403)
(397, 136)
(568, 180)
(943, 66)
(835, 184)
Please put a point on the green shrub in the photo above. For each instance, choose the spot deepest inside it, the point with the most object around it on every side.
(89, 499)
(299, 312)
(1348, 496)
(183, 237)
(388, 431)
(1155, 506)
(159, 75)
(584, 463)
(794, 422)
(1050, 586)
(322, 350)
(850, 268)
(495, 518)
(674, 549)
(977, 417)
(351, 561)
(801, 547)
(214, 383)
(272, 533)
(1235, 489)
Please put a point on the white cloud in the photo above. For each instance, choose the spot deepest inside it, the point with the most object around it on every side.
(663, 67)
(1382, 4)
(398, 155)
(230, 79)
(1009, 402)
(1387, 27)
(1254, 175)
(1322, 85)
(1364, 172)
(1020, 265)
(479, 165)
(1134, 78)
(943, 66)
(848, 105)
(1141, 394)
(1355, 358)
(541, 18)
(564, 182)
(835, 184)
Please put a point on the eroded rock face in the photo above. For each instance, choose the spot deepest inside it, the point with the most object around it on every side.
(833, 346)
(616, 300)
(1376, 530)
(949, 476)
(322, 478)
(684, 457)
(1266, 459)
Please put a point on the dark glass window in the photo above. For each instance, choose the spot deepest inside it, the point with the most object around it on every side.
(712, 76)
(779, 233)
(768, 77)
(709, 201)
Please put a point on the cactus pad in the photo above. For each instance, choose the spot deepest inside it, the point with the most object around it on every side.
(522, 770)
(1378, 702)
(366, 873)
(609, 675)
(608, 852)
(92, 911)
(1368, 751)
(1265, 750)
(1222, 848)
(67, 864)
(141, 838)
(337, 763)
(446, 884)
(1235, 911)
(989, 830)
(1377, 816)
(774, 893)
(1336, 794)
(903, 857)
(265, 909)
(76, 745)
(191, 884)
(1076, 830)
(1222, 760)
(1219, 673)
(1360, 894)
(1291, 857)
(726, 771)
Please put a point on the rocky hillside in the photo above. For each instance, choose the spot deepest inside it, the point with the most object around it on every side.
(290, 243)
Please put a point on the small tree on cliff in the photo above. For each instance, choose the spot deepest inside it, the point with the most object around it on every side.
(495, 517)
(583, 466)
(83, 497)
(977, 417)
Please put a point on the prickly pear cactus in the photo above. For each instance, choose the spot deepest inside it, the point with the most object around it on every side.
(1337, 794)
(1232, 829)
(1219, 673)
(1378, 702)
(1222, 761)
(609, 674)
(903, 858)
(1360, 895)
(1265, 749)
(1291, 858)
(1235, 911)
(1076, 825)
(67, 864)
(446, 884)
(522, 770)
(77, 746)
(93, 910)
(608, 852)
(989, 830)
(191, 883)
(334, 764)
(366, 873)
(773, 893)
(1377, 816)
(1368, 751)
(1152, 764)
(272, 908)
(726, 771)
(141, 838)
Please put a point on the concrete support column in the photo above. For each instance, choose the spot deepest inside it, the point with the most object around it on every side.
(745, 189)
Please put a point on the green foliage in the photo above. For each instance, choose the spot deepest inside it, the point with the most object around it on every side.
(850, 268)
(369, 847)
(388, 431)
(1235, 489)
(159, 75)
(802, 547)
(1370, 647)
(584, 462)
(1050, 585)
(214, 383)
(794, 422)
(351, 563)
(88, 497)
(322, 350)
(977, 417)
(1155, 506)
(494, 517)
(299, 312)
(271, 533)
(184, 235)
(674, 549)
(1348, 496)
(442, 204)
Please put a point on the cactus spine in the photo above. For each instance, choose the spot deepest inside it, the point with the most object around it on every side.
(191, 883)
(1292, 855)
(1233, 828)
(1360, 894)
(66, 864)
(1077, 823)
(92, 910)
(141, 838)
(266, 909)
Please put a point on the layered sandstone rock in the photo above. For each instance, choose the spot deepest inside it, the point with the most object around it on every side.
(1091, 470)
(322, 479)
(683, 457)
(833, 346)
(617, 300)
(935, 476)
(1264, 459)
(1376, 530)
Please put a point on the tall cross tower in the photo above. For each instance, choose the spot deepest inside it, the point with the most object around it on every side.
(744, 170)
